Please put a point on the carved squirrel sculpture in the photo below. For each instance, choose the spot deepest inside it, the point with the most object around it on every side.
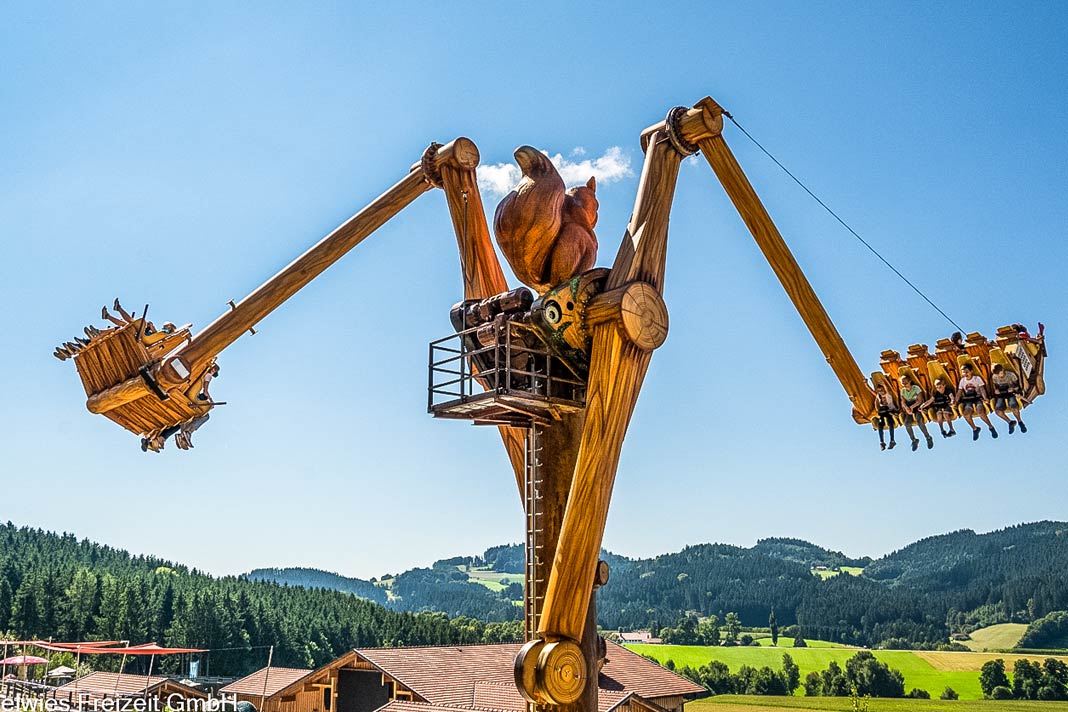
(545, 232)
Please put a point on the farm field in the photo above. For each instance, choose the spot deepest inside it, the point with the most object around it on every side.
(749, 703)
(493, 580)
(788, 643)
(851, 570)
(931, 671)
(996, 637)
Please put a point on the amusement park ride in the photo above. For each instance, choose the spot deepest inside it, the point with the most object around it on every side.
(557, 369)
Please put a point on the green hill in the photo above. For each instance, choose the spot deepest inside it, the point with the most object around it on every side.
(315, 578)
(913, 597)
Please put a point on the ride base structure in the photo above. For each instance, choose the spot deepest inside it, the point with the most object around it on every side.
(556, 367)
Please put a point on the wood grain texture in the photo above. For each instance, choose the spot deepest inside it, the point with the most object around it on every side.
(617, 369)
(227, 328)
(636, 308)
(778, 255)
(119, 394)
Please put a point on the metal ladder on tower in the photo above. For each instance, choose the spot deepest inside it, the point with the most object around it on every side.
(534, 563)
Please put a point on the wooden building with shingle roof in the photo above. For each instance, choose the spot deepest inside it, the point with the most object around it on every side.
(264, 689)
(90, 690)
(454, 677)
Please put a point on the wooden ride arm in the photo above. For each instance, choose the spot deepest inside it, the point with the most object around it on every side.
(715, 150)
(480, 268)
(222, 332)
(620, 355)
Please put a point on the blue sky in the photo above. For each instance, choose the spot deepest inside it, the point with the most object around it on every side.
(179, 154)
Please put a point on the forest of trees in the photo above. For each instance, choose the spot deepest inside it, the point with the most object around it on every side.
(1030, 680)
(55, 586)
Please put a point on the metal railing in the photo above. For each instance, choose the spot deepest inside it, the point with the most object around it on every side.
(515, 363)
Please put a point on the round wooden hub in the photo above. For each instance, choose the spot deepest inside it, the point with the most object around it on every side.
(644, 316)
(561, 672)
(525, 663)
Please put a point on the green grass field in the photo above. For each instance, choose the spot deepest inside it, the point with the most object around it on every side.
(747, 703)
(931, 671)
(996, 637)
(493, 580)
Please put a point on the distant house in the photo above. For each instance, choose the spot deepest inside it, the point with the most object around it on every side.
(640, 636)
(90, 690)
(456, 678)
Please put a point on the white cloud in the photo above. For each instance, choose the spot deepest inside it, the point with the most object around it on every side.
(498, 179)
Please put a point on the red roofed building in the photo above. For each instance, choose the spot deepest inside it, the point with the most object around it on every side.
(262, 689)
(92, 689)
(452, 678)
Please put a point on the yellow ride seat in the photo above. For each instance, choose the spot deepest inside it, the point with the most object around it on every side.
(879, 379)
(966, 359)
(946, 352)
(891, 363)
(917, 358)
(906, 370)
(978, 347)
(937, 369)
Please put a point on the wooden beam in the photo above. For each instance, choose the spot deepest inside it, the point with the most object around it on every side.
(222, 332)
(617, 369)
(719, 156)
(120, 394)
(479, 266)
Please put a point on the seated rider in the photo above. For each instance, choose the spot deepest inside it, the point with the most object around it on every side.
(911, 398)
(942, 402)
(1006, 385)
(885, 408)
(124, 317)
(152, 336)
(971, 392)
(212, 372)
(182, 433)
(1038, 342)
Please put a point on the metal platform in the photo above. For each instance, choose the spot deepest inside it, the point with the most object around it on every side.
(501, 374)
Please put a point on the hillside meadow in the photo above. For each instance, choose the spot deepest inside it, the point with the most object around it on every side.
(996, 637)
(927, 670)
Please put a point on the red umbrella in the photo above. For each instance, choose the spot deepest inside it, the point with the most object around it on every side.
(23, 660)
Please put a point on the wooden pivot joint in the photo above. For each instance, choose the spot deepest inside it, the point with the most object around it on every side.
(551, 673)
(603, 572)
(637, 309)
(118, 395)
(684, 128)
(460, 153)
